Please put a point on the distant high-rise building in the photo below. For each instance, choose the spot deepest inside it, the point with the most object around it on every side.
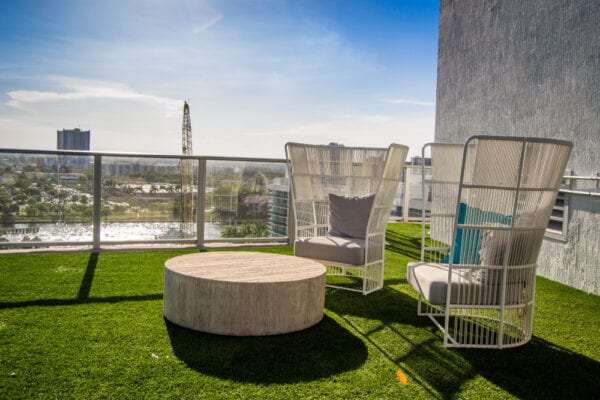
(277, 210)
(72, 139)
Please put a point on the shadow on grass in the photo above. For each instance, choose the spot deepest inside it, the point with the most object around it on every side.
(88, 277)
(74, 302)
(387, 320)
(407, 245)
(318, 352)
(537, 370)
(387, 305)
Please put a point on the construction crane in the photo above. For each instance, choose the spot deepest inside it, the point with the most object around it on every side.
(187, 175)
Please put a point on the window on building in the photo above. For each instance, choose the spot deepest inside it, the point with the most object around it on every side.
(559, 219)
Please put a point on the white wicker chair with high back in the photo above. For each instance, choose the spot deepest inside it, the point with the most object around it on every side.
(490, 209)
(342, 197)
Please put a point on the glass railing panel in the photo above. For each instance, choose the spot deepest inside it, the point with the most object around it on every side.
(408, 203)
(240, 198)
(415, 197)
(142, 199)
(45, 197)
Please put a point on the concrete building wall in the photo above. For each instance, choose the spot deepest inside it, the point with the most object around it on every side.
(529, 68)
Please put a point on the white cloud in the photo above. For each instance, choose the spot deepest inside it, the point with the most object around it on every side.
(409, 102)
(81, 89)
(208, 24)
(120, 118)
(367, 130)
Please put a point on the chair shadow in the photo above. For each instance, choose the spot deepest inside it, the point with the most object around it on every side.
(407, 245)
(321, 351)
(386, 305)
(536, 370)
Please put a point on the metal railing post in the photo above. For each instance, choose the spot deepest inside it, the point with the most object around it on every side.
(97, 204)
(291, 218)
(406, 202)
(201, 203)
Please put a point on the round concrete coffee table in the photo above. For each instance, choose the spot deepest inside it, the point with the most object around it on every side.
(243, 293)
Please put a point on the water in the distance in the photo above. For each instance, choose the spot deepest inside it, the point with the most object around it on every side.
(121, 231)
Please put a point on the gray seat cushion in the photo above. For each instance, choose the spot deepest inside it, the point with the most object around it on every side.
(345, 250)
(431, 280)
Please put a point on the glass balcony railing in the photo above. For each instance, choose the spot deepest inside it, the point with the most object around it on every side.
(57, 198)
(90, 198)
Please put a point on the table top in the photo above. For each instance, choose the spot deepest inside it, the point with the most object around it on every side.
(245, 266)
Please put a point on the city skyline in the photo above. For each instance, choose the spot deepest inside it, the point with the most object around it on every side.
(256, 74)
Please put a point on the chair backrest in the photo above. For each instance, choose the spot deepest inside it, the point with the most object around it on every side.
(440, 181)
(507, 191)
(318, 170)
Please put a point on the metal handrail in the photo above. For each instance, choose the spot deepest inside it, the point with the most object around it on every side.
(580, 193)
(587, 193)
(587, 178)
(141, 155)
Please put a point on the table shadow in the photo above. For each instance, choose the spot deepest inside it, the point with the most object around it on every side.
(321, 351)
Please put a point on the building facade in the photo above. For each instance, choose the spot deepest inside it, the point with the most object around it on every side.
(531, 68)
(72, 139)
(277, 211)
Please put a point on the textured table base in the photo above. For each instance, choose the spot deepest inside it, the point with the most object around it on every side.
(244, 293)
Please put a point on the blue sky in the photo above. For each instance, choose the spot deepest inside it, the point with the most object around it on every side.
(257, 74)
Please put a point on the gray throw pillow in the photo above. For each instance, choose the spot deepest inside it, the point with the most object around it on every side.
(349, 216)
(523, 251)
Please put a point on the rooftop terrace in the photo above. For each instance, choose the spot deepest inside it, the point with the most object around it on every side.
(90, 325)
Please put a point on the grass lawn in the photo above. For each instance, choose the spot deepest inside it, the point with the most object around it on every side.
(89, 325)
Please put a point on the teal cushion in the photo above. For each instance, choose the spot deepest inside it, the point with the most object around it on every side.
(472, 237)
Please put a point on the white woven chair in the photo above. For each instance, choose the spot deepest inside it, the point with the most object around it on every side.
(342, 198)
(490, 209)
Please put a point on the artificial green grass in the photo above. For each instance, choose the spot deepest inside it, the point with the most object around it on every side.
(89, 325)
